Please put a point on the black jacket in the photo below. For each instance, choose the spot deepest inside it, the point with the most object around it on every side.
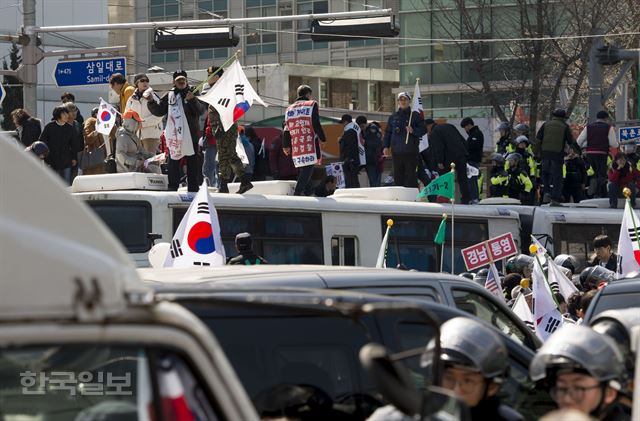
(62, 141)
(395, 134)
(30, 132)
(448, 145)
(372, 144)
(349, 150)
(492, 409)
(575, 172)
(475, 144)
(612, 263)
(248, 258)
(193, 109)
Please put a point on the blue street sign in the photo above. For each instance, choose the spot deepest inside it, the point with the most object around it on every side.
(95, 71)
(629, 134)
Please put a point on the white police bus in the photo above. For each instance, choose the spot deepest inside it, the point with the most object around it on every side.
(345, 229)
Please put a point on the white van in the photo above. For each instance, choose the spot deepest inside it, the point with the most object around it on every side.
(344, 229)
(81, 338)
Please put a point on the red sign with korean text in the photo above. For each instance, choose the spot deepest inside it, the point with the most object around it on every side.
(502, 246)
(476, 256)
(299, 125)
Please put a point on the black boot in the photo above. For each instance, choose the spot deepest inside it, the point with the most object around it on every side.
(223, 186)
(245, 184)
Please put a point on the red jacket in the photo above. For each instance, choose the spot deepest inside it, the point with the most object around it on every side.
(208, 133)
(625, 176)
(281, 164)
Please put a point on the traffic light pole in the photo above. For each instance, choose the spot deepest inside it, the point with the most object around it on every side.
(31, 56)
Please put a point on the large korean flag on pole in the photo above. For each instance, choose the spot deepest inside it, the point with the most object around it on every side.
(417, 106)
(628, 243)
(106, 118)
(232, 95)
(197, 241)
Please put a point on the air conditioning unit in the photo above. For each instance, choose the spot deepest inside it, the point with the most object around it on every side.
(194, 38)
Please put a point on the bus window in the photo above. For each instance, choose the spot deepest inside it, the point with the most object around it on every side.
(577, 239)
(411, 242)
(344, 251)
(130, 221)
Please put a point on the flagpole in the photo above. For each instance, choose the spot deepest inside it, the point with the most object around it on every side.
(406, 140)
(444, 217)
(221, 67)
(382, 253)
(453, 215)
(626, 192)
(534, 249)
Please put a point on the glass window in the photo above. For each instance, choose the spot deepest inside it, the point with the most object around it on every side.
(164, 9)
(344, 251)
(616, 301)
(414, 25)
(88, 381)
(481, 307)
(364, 5)
(577, 239)
(409, 73)
(446, 72)
(129, 221)
(261, 38)
(296, 349)
(411, 5)
(307, 7)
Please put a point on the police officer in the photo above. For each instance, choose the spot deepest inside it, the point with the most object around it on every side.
(567, 261)
(497, 176)
(402, 136)
(519, 183)
(475, 362)
(594, 277)
(582, 369)
(303, 145)
(246, 255)
(617, 324)
(504, 146)
(520, 264)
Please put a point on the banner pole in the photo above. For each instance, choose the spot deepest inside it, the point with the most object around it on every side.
(233, 56)
(453, 216)
(406, 140)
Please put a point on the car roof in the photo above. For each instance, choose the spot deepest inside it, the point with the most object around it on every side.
(56, 253)
(622, 286)
(308, 276)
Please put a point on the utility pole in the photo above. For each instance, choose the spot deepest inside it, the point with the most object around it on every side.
(595, 76)
(30, 58)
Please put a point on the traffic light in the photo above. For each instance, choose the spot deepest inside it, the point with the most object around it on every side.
(608, 55)
(351, 29)
(191, 38)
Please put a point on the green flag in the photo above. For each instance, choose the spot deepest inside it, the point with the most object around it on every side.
(441, 231)
(441, 186)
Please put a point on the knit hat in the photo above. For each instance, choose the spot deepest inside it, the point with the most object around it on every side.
(139, 76)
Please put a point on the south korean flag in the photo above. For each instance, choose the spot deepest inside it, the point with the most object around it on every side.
(629, 243)
(197, 241)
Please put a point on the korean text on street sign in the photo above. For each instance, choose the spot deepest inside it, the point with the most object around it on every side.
(629, 134)
(502, 246)
(476, 256)
(88, 72)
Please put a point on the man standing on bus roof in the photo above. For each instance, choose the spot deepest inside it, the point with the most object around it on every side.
(302, 130)
(596, 139)
(402, 135)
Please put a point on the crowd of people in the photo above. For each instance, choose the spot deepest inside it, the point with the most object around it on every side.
(547, 166)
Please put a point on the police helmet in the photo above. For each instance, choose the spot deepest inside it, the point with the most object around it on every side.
(577, 348)
(593, 276)
(467, 275)
(481, 276)
(503, 126)
(514, 157)
(517, 264)
(521, 128)
(499, 158)
(521, 139)
(470, 344)
(567, 261)
(617, 324)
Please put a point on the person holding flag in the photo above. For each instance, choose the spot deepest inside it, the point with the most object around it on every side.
(302, 131)
(545, 310)
(402, 136)
(475, 145)
(183, 112)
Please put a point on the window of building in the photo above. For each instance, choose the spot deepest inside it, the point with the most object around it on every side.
(344, 250)
(261, 38)
(207, 7)
(305, 7)
(374, 96)
(363, 43)
(356, 6)
(409, 73)
(285, 8)
(323, 98)
(159, 56)
(164, 9)
(213, 53)
(355, 96)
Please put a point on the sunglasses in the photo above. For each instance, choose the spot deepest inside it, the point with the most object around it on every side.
(143, 80)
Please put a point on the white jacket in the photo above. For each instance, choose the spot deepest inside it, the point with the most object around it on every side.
(152, 125)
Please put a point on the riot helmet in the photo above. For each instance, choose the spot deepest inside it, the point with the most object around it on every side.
(517, 264)
(469, 344)
(481, 276)
(521, 128)
(521, 139)
(593, 276)
(499, 158)
(567, 261)
(503, 126)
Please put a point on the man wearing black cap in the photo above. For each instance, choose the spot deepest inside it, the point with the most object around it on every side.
(349, 152)
(475, 145)
(181, 132)
(402, 135)
(596, 139)
(246, 255)
(551, 142)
